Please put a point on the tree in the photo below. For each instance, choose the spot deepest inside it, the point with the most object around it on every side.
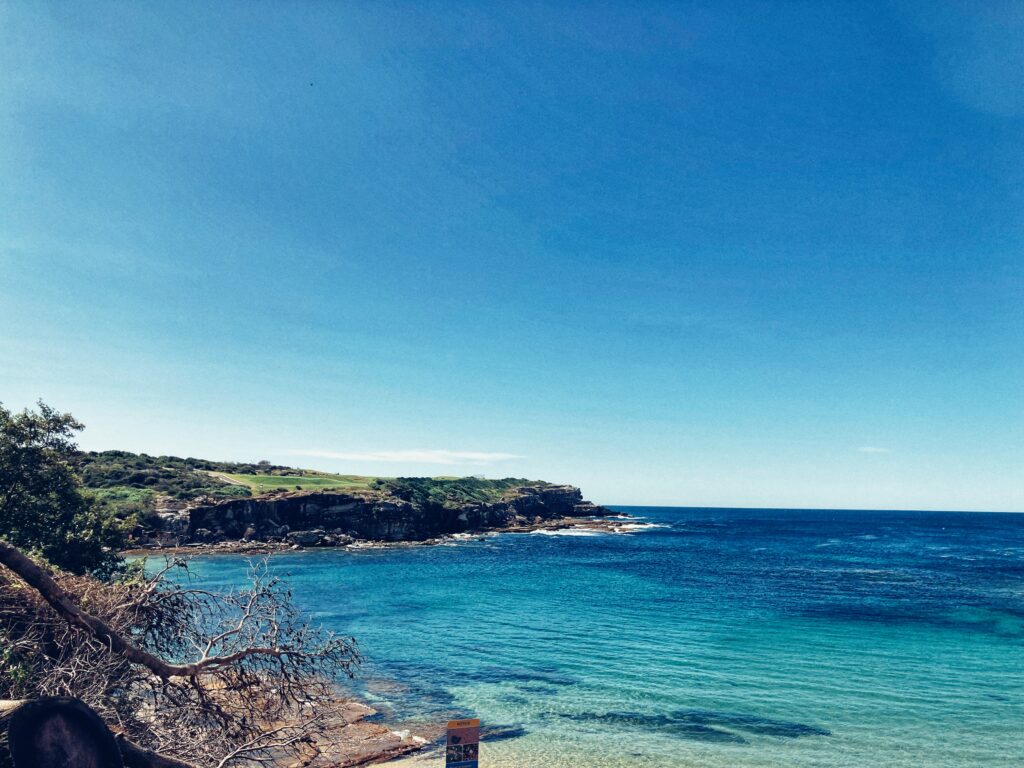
(240, 678)
(42, 506)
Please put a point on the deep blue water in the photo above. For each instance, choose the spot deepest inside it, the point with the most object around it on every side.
(722, 637)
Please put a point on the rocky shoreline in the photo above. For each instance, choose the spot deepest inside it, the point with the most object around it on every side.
(308, 519)
(611, 524)
(361, 740)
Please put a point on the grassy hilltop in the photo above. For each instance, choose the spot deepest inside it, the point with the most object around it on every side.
(297, 479)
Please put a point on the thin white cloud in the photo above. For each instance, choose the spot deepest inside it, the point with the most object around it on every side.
(476, 458)
(873, 449)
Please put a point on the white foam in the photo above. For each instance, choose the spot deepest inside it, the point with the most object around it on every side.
(638, 527)
(570, 532)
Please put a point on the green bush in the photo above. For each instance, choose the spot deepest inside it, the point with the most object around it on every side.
(42, 506)
(449, 492)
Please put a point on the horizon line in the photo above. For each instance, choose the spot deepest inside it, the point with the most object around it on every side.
(611, 505)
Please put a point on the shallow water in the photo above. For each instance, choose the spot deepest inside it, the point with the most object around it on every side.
(713, 638)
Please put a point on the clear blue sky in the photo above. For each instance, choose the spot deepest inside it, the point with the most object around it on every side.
(704, 254)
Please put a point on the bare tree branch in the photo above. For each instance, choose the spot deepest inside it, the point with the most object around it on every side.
(38, 579)
(256, 683)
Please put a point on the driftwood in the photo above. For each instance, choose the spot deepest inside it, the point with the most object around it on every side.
(139, 757)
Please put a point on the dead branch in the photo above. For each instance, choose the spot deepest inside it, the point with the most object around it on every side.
(260, 682)
(138, 757)
(39, 580)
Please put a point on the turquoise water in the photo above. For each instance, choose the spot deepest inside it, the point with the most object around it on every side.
(717, 638)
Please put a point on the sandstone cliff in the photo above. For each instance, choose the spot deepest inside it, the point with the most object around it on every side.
(332, 517)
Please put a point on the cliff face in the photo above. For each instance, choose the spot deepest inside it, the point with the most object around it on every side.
(330, 518)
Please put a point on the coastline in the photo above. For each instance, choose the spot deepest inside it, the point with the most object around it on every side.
(617, 523)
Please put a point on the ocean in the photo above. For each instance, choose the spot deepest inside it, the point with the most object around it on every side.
(696, 637)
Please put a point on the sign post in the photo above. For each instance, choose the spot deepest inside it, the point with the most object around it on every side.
(463, 749)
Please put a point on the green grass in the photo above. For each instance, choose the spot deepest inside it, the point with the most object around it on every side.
(320, 482)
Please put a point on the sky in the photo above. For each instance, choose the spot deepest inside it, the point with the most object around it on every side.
(701, 254)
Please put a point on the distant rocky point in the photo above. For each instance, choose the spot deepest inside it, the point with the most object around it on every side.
(336, 518)
(175, 502)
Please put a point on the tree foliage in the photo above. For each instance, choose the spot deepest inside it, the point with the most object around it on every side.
(42, 507)
(217, 678)
(169, 475)
(450, 491)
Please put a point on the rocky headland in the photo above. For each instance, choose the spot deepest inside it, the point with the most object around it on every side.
(301, 519)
